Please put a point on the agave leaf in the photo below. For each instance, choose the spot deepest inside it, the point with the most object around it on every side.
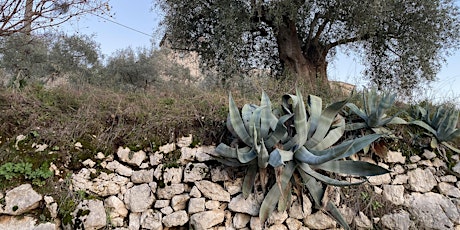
(262, 156)
(332, 137)
(268, 120)
(425, 126)
(305, 156)
(287, 100)
(300, 124)
(254, 124)
(450, 147)
(448, 125)
(326, 119)
(314, 106)
(306, 168)
(273, 196)
(279, 132)
(357, 111)
(386, 102)
(332, 209)
(245, 155)
(285, 199)
(397, 121)
(356, 168)
(246, 114)
(237, 123)
(348, 148)
(314, 187)
(454, 135)
(249, 179)
(226, 151)
(279, 156)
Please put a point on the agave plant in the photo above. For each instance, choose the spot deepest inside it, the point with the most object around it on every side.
(301, 140)
(373, 114)
(441, 123)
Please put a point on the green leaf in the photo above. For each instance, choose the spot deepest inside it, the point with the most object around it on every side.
(306, 168)
(273, 196)
(332, 209)
(279, 156)
(279, 133)
(357, 168)
(245, 155)
(226, 151)
(263, 156)
(237, 123)
(314, 187)
(268, 120)
(249, 180)
(332, 137)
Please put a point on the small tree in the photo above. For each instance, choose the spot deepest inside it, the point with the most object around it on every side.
(28, 15)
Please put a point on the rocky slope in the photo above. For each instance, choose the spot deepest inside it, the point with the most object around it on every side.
(135, 190)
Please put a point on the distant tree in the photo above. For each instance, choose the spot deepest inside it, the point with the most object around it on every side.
(28, 15)
(28, 58)
(401, 42)
(133, 68)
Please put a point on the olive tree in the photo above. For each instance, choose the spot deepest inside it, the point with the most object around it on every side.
(401, 42)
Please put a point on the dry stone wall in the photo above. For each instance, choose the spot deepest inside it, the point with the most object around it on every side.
(136, 190)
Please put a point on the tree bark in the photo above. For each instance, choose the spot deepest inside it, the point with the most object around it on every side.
(28, 13)
(308, 66)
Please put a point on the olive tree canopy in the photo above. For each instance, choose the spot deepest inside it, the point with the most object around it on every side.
(402, 43)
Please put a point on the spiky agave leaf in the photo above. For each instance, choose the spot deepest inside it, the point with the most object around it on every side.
(237, 124)
(273, 196)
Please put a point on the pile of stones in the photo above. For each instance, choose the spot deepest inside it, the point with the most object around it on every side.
(135, 190)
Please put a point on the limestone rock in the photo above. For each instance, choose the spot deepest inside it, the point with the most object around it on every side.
(293, 224)
(139, 198)
(428, 154)
(196, 205)
(179, 202)
(172, 175)
(119, 168)
(134, 221)
(240, 220)
(132, 158)
(362, 221)
(213, 191)
(220, 173)
(195, 172)
(92, 214)
(456, 168)
(151, 220)
(449, 190)
(168, 148)
(25, 222)
(212, 204)
(116, 210)
(380, 179)
(169, 191)
(234, 186)
(21, 199)
(142, 176)
(200, 154)
(195, 192)
(255, 223)
(108, 184)
(400, 220)
(432, 210)
(174, 219)
(207, 219)
(394, 193)
(319, 220)
(161, 203)
(184, 141)
(421, 180)
(395, 157)
(277, 227)
(155, 159)
(277, 218)
(251, 205)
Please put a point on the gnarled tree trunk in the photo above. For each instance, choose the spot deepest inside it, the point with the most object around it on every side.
(308, 65)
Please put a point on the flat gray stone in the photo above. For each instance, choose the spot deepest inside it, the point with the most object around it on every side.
(139, 198)
(213, 191)
(432, 210)
(175, 219)
(421, 180)
(207, 219)
(251, 205)
(21, 199)
(195, 172)
(400, 220)
(394, 194)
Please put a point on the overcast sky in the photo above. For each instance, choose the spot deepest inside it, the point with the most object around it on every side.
(113, 35)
